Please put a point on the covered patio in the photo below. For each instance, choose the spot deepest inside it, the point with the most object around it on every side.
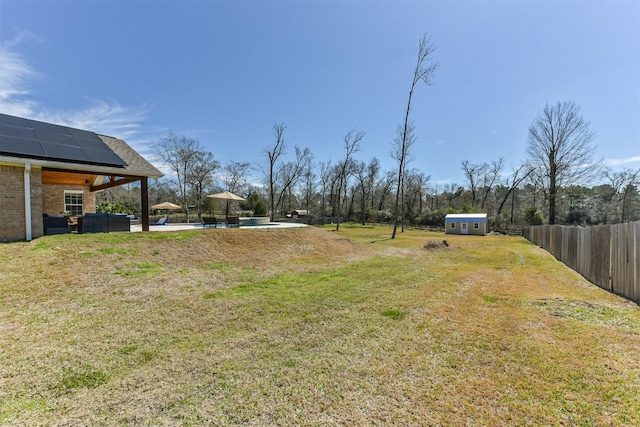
(50, 169)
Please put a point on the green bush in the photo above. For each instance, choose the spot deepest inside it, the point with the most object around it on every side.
(108, 207)
(533, 216)
(259, 208)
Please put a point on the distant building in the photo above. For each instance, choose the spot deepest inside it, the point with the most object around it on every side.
(475, 224)
(299, 213)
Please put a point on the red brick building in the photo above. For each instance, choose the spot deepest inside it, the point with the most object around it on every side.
(51, 169)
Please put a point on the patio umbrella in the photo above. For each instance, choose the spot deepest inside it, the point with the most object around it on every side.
(166, 206)
(226, 195)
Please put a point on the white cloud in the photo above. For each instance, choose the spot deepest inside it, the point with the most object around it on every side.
(620, 162)
(15, 74)
(108, 118)
(104, 117)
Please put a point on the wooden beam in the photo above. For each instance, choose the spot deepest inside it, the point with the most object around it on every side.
(67, 178)
(115, 183)
(144, 194)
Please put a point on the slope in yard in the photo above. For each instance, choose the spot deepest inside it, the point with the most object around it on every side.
(308, 327)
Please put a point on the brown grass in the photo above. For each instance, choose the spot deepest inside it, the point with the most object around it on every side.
(308, 327)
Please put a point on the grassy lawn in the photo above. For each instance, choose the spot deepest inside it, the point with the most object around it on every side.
(309, 327)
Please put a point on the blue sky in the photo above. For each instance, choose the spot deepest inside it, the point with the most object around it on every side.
(224, 72)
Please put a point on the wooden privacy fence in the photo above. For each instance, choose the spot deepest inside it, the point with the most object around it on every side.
(606, 255)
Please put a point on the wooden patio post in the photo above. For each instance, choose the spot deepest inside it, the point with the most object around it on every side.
(144, 193)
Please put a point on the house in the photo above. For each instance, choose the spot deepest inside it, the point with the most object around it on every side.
(299, 213)
(475, 224)
(50, 169)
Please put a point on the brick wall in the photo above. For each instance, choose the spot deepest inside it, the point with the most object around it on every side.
(44, 199)
(37, 228)
(12, 226)
(53, 198)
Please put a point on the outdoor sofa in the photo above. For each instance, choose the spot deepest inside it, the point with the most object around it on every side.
(103, 223)
(55, 224)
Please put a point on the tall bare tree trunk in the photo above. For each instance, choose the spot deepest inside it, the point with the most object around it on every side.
(424, 72)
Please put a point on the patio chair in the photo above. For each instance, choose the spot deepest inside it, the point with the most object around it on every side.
(209, 222)
(233, 221)
(55, 225)
(161, 221)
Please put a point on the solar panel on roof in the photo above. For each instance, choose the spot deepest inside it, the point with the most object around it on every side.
(11, 120)
(107, 157)
(18, 132)
(12, 145)
(46, 137)
(26, 138)
(73, 154)
(89, 143)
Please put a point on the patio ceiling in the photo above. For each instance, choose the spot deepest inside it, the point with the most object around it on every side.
(54, 177)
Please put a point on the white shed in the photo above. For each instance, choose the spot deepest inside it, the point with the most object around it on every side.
(475, 224)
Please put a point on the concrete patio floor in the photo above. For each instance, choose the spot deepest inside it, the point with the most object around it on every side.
(196, 226)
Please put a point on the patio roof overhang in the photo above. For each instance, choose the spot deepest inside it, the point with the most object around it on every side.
(94, 175)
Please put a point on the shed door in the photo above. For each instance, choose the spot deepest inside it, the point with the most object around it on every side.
(464, 228)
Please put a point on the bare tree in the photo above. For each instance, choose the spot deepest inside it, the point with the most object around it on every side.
(373, 169)
(472, 173)
(559, 148)
(326, 172)
(234, 178)
(623, 183)
(384, 189)
(309, 187)
(282, 177)
(288, 174)
(200, 172)
(423, 72)
(481, 179)
(405, 139)
(415, 190)
(177, 152)
(491, 174)
(351, 145)
(274, 154)
(360, 172)
(453, 192)
(518, 176)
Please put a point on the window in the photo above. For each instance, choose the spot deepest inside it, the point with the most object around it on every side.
(476, 225)
(453, 225)
(73, 202)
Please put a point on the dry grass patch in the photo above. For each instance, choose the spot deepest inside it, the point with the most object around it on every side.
(308, 327)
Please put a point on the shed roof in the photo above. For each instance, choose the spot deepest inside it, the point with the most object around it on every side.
(475, 217)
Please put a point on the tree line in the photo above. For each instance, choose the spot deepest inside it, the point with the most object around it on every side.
(358, 190)
(559, 182)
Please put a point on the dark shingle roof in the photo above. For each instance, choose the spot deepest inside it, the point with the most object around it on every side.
(136, 164)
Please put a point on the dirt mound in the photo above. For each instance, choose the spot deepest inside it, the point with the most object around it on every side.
(260, 248)
(85, 260)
